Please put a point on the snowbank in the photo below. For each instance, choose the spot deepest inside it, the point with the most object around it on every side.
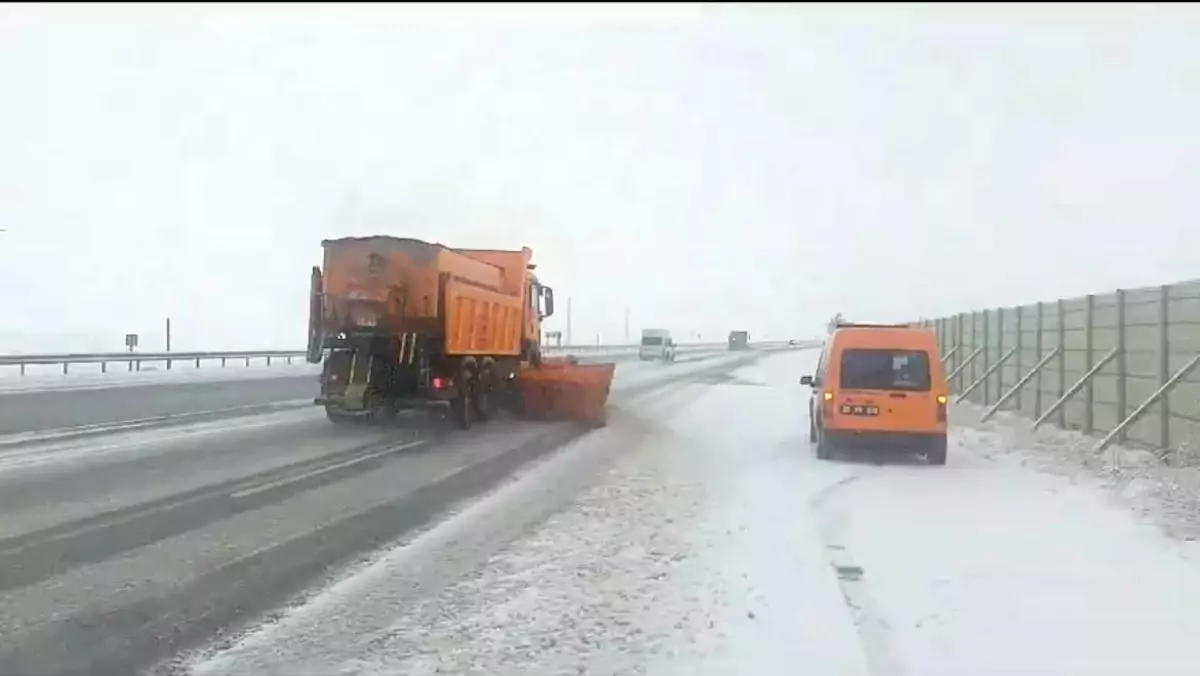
(1160, 486)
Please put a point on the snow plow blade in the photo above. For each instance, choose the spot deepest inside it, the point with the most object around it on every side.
(562, 389)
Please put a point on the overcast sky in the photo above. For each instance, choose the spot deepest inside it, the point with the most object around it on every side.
(708, 169)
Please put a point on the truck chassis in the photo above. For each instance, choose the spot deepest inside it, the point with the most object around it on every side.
(372, 377)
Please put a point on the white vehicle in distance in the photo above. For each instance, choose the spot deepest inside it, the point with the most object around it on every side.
(656, 344)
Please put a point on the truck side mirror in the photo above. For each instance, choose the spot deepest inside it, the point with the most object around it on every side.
(806, 380)
(548, 294)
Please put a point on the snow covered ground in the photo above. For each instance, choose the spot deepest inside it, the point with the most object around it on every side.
(88, 376)
(697, 534)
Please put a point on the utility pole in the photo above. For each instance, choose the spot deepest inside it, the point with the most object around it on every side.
(168, 334)
(627, 325)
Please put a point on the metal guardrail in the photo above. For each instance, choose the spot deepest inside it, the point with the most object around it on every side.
(134, 360)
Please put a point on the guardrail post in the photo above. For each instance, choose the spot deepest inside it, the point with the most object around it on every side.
(65, 368)
(247, 361)
(22, 369)
(1021, 383)
(1020, 347)
(963, 349)
(1062, 360)
(1164, 364)
(268, 360)
(1089, 391)
(197, 362)
(1037, 346)
(1122, 393)
(976, 344)
(104, 367)
(222, 362)
(987, 386)
(987, 351)
(168, 364)
(1161, 392)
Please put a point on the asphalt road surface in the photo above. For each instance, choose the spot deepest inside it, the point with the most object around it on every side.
(60, 409)
(117, 551)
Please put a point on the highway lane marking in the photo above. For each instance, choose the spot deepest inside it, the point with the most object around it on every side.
(18, 458)
(57, 433)
(209, 495)
(17, 388)
(322, 470)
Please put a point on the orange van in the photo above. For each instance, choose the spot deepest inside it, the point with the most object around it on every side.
(879, 387)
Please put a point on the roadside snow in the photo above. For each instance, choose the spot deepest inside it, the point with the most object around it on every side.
(1161, 487)
(1020, 556)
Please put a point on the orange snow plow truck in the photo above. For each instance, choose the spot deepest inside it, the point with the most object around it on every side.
(401, 323)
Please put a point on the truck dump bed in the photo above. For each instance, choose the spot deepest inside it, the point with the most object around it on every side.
(473, 298)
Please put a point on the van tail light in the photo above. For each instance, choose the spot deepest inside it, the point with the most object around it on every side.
(941, 410)
(827, 404)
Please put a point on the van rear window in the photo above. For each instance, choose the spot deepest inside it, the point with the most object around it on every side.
(885, 370)
(650, 341)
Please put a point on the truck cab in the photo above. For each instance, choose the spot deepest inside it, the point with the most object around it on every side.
(656, 345)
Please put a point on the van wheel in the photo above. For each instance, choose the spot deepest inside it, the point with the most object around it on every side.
(824, 449)
(936, 455)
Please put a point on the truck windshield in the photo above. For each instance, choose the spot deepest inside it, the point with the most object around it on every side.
(652, 340)
(885, 370)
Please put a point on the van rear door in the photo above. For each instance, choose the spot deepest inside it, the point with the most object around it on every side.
(886, 389)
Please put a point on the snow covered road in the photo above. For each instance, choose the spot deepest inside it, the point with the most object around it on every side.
(697, 534)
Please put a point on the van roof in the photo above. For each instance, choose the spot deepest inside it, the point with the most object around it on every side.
(904, 336)
(847, 325)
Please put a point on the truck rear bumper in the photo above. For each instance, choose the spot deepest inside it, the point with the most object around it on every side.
(336, 402)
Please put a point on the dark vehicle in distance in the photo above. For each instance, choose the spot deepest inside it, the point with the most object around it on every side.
(739, 340)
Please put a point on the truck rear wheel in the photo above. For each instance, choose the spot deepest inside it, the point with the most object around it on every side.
(462, 407)
(481, 394)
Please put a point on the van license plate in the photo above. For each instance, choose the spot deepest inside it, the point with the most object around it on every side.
(860, 410)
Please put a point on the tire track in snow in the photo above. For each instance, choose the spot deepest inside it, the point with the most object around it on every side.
(873, 629)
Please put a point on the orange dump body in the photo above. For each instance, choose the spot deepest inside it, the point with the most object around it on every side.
(475, 299)
(565, 390)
